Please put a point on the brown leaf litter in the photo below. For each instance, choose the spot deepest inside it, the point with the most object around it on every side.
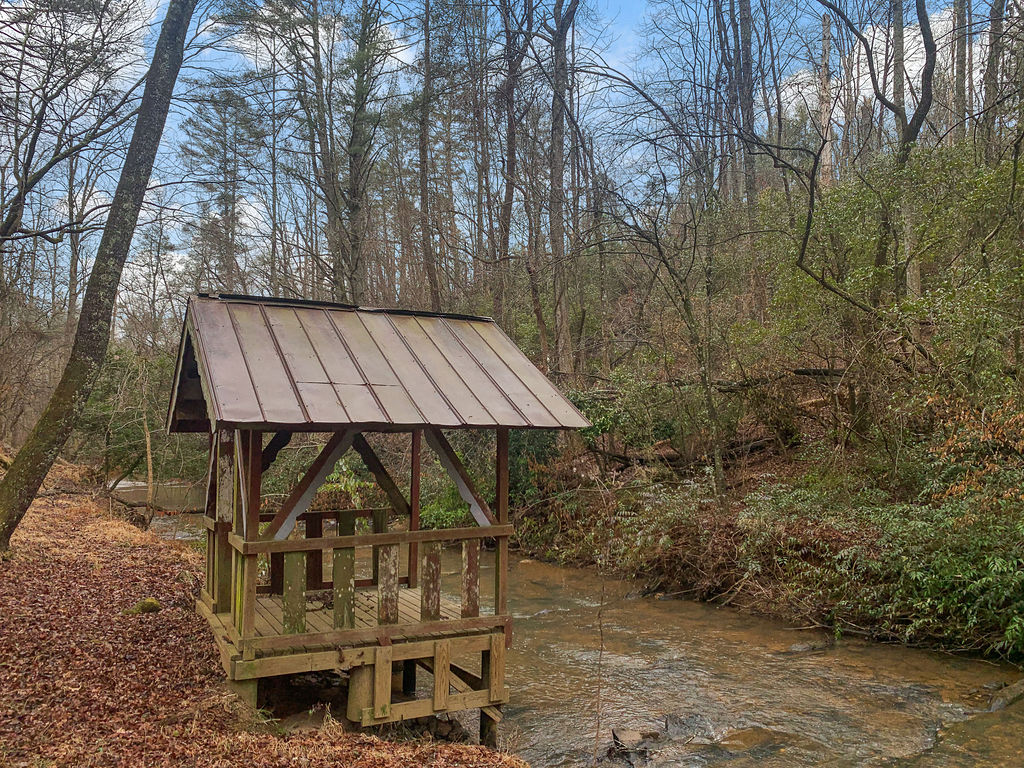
(84, 682)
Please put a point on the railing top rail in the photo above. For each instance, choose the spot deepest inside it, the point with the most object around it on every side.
(368, 539)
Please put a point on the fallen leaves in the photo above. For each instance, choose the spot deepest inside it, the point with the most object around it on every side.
(85, 682)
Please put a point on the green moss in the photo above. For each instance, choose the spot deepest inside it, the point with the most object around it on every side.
(145, 605)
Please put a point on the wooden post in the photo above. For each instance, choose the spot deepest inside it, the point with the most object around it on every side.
(247, 690)
(430, 593)
(495, 680)
(237, 527)
(409, 677)
(276, 573)
(442, 674)
(314, 558)
(360, 692)
(414, 505)
(251, 460)
(387, 585)
(470, 578)
(380, 525)
(501, 502)
(492, 675)
(382, 682)
(293, 598)
(492, 662)
(211, 513)
(220, 590)
(344, 573)
(488, 729)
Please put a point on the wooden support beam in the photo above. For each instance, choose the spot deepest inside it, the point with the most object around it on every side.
(453, 465)
(349, 659)
(495, 679)
(381, 632)
(409, 677)
(314, 557)
(464, 681)
(410, 710)
(242, 487)
(489, 727)
(430, 583)
(276, 573)
(225, 475)
(220, 586)
(387, 585)
(344, 576)
(211, 477)
(442, 674)
(369, 539)
(492, 671)
(277, 442)
(360, 692)
(414, 504)
(471, 578)
(381, 475)
(301, 496)
(248, 691)
(380, 527)
(293, 598)
(382, 683)
(501, 545)
(248, 447)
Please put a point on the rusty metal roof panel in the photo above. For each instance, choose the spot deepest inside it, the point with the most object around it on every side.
(276, 364)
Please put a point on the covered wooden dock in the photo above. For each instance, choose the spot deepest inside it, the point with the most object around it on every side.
(306, 587)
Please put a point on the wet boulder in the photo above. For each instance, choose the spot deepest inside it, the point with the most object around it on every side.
(1003, 698)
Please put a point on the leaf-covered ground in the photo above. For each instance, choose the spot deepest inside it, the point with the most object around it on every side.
(84, 684)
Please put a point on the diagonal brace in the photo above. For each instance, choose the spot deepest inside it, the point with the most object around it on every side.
(451, 462)
(380, 474)
(301, 496)
(274, 447)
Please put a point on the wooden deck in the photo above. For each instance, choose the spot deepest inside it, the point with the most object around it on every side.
(465, 656)
(320, 614)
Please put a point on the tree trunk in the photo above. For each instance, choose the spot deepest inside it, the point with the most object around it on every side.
(515, 52)
(563, 20)
(746, 100)
(429, 263)
(825, 101)
(37, 455)
(960, 74)
(360, 149)
(990, 83)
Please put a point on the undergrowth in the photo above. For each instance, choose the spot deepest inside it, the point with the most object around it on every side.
(926, 552)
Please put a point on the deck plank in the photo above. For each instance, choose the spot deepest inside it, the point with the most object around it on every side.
(270, 614)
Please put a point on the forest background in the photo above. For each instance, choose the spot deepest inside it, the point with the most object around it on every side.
(773, 249)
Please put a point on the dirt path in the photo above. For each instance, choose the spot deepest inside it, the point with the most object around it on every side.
(84, 684)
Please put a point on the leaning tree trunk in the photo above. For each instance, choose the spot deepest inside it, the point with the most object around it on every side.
(37, 455)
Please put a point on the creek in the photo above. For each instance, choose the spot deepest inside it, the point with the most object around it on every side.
(720, 687)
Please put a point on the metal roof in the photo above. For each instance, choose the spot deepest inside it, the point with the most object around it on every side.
(253, 362)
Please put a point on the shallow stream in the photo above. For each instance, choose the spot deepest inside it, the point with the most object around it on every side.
(721, 687)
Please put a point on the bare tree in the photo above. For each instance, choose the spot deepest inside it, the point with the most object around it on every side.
(26, 473)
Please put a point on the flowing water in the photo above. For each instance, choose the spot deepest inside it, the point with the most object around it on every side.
(721, 687)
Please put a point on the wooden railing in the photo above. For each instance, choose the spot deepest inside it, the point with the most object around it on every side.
(296, 565)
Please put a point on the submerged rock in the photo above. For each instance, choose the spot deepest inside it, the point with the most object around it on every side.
(626, 740)
(747, 739)
(822, 643)
(1011, 694)
(694, 728)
